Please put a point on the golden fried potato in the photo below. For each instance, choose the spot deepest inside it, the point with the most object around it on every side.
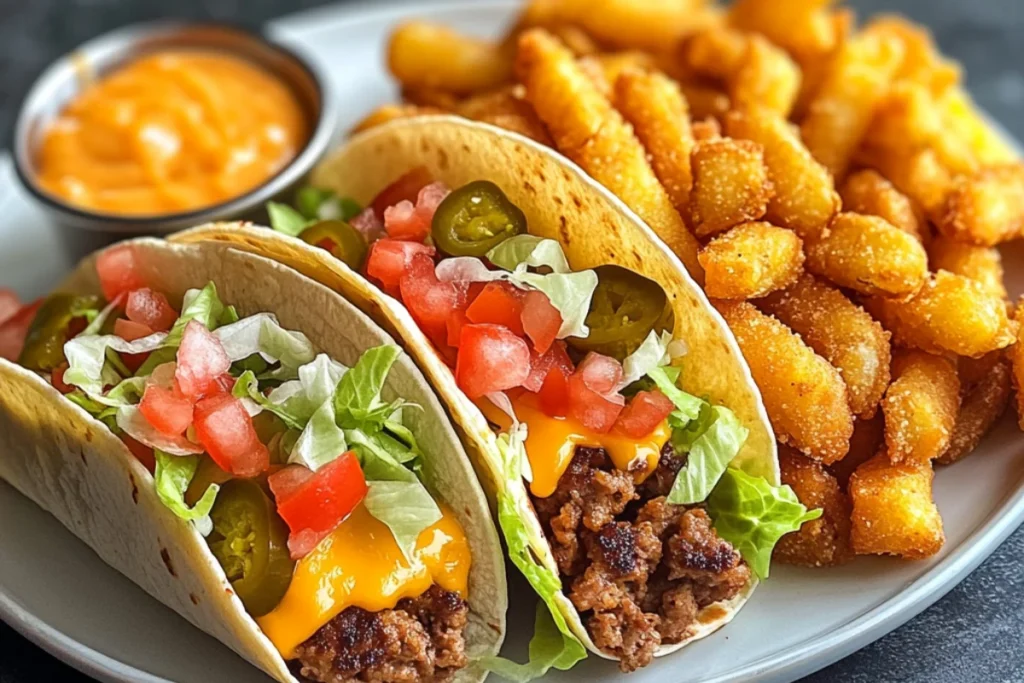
(804, 200)
(867, 192)
(605, 68)
(950, 313)
(803, 28)
(505, 108)
(390, 112)
(705, 101)
(839, 114)
(435, 98)
(922, 63)
(816, 68)
(425, 55)
(869, 255)
(920, 407)
(823, 542)
(588, 130)
(1016, 355)
(841, 332)
(575, 38)
(730, 185)
(982, 264)
(983, 404)
(805, 397)
(918, 174)
(750, 261)
(864, 444)
(893, 511)
(706, 129)
(986, 208)
(653, 104)
(714, 53)
(961, 116)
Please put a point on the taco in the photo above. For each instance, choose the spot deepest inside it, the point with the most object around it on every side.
(257, 454)
(605, 403)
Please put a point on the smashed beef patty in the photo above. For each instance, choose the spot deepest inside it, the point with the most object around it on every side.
(639, 569)
(420, 640)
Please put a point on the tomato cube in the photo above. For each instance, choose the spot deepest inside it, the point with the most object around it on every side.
(169, 412)
(389, 259)
(500, 303)
(369, 224)
(150, 308)
(555, 359)
(554, 394)
(454, 326)
(645, 411)
(491, 358)
(592, 399)
(403, 223)
(14, 330)
(225, 430)
(406, 188)
(541, 320)
(129, 330)
(142, 452)
(118, 271)
(313, 504)
(430, 301)
(201, 360)
(57, 379)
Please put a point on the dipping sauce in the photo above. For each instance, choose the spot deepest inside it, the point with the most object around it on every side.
(173, 131)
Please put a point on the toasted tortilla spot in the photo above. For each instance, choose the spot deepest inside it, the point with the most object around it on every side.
(194, 598)
(135, 488)
(166, 557)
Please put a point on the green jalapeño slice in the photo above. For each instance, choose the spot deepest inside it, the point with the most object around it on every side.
(51, 329)
(475, 218)
(340, 238)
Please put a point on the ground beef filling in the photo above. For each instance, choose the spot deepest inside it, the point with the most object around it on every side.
(420, 640)
(638, 568)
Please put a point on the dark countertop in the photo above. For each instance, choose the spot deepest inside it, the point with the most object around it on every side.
(973, 635)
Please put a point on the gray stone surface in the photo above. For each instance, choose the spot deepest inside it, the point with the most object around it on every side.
(973, 635)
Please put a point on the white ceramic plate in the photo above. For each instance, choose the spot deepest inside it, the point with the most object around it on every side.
(56, 592)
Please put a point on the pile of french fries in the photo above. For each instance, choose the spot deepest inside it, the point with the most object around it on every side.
(833, 187)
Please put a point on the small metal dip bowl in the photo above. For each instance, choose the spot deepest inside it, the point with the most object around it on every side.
(67, 77)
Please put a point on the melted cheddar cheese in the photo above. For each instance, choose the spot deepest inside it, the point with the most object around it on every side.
(551, 442)
(361, 565)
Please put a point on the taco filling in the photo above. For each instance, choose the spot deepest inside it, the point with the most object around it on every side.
(302, 479)
(576, 370)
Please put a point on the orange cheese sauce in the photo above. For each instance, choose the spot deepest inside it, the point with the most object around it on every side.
(173, 131)
(551, 442)
(361, 565)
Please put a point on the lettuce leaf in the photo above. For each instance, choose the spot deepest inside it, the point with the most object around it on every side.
(318, 204)
(133, 423)
(709, 456)
(88, 366)
(753, 515)
(172, 477)
(570, 293)
(262, 334)
(687, 406)
(652, 353)
(523, 251)
(407, 508)
(198, 304)
(286, 220)
(357, 399)
(322, 441)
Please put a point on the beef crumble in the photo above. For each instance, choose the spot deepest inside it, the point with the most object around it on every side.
(420, 640)
(638, 568)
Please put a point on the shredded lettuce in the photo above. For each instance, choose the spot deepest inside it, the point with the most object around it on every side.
(262, 334)
(286, 220)
(133, 423)
(97, 319)
(570, 293)
(198, 304)
(709, 456)
(322, 441)
(523, 251)
(357, 400)
(172, 477)
(316, 383)
(407, 508)
(318, 204)
(91, 366)
(652, 353)
(687, 406)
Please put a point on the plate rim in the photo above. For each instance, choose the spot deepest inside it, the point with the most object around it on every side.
(791, 663)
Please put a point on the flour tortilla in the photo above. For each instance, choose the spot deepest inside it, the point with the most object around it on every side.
(74, 467)
(562, 203)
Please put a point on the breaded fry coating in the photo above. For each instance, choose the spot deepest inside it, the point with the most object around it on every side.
(804, 200)
(505, 108)
(750, 261)
(421, 54)
(805, 397)
(868, 437)
(823, 542)
(950, 313)
(867, 192)
(986, 208)
(730, 185)
(390, 112)
(917, 174)
(588, 129)
(920, 407)
(654, 105)
(802, 27)
(983, 404)
(841, 332)
(982, 264)
(893, 512)
(869, 255)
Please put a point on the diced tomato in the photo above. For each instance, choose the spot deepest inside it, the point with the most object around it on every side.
(592, 399)
(430, 197)
(389, 259)
(151, 309)
(326, 244)
(142, 453)
(313, 504)
(226, 432)
(201, 360)
(454, 326)
(406, 188)
(554, 394)
(57, 379)
(500, 303)
(430, 301)
(369, 224)
(129, 330)
(169, 413)
(491, 358)
(118, 271)
(134, 361)
(541, 320)
(224, 383)
(15, 328)
(9, 304)
(645, 411)
(408, 221)
(555, 359)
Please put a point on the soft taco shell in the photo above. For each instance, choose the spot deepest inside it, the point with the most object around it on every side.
(560, 202)
(74, 467)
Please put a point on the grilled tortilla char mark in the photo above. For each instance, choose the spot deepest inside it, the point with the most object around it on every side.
(638, 568)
